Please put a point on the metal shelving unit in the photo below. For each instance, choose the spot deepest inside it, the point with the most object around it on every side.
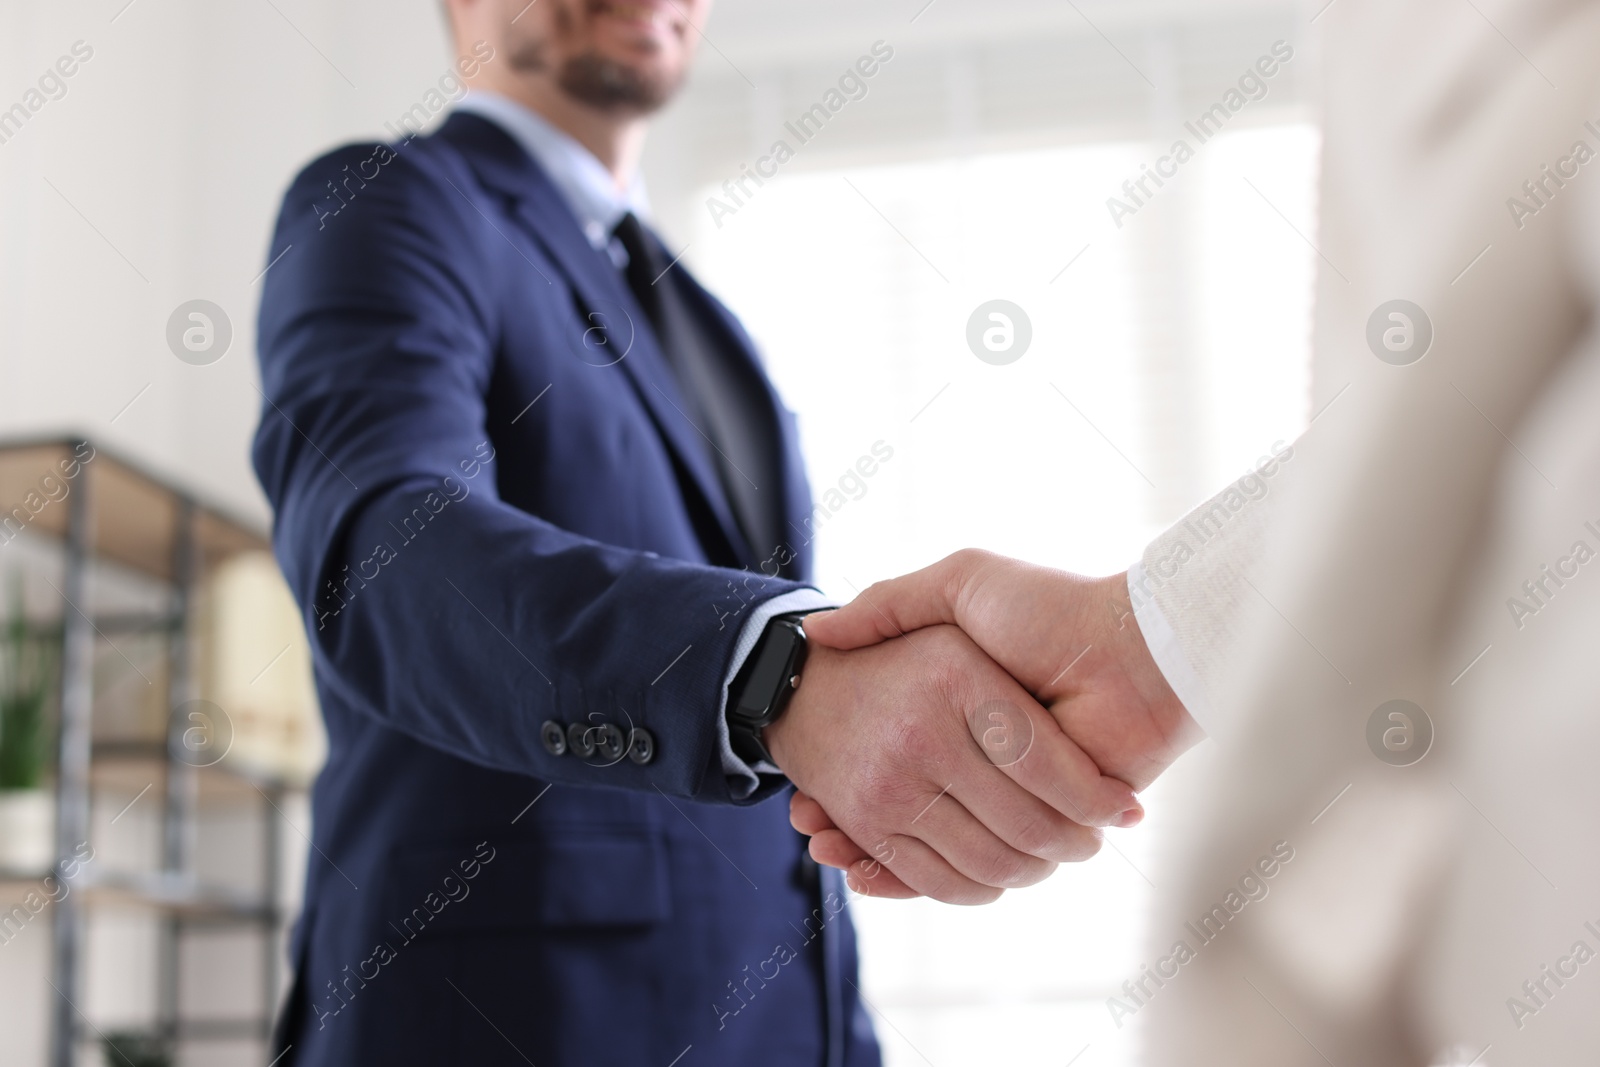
(117, 512)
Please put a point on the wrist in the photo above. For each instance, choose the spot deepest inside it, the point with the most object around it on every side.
(1131, 652)
(784, 737)
(1087, 636)
(772, 737)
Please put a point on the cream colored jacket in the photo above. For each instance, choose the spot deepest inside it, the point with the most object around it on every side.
(1435, 910)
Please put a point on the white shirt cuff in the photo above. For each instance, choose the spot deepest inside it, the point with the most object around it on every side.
(743, 778)
(1167, 651)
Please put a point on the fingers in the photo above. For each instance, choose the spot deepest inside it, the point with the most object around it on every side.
(869, 878)
(1027, 743)
(831, 847)
(1028, 825)
(863, 874)
(1013, 733)
(974, 849)
(1059, 773)
(970, 852)
(1023, 822)
(923, 870)
(891, 608)
(922, 797)
(834, 848)
(807, 816)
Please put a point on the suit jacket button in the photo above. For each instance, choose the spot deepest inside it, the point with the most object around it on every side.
(554, 738)
(610, 742)
(641, 746)
(580, 739)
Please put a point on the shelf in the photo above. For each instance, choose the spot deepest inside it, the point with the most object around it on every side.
(224, 1030)
(180, 896)
(183, 897)
(201, 1030)
(14, 878)
(101, 508)
(122, 622)
(135, 516)
(130, 765)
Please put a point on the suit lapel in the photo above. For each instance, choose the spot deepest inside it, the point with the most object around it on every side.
(601, 292)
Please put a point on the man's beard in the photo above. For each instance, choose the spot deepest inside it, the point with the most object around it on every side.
(611, 86)
(599, 82)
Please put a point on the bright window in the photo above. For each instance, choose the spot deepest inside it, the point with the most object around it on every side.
(859, 284)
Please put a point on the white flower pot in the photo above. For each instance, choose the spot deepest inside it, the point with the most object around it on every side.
(27, 830)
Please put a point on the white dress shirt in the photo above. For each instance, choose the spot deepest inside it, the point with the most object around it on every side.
(1167, 650)
(599, 203)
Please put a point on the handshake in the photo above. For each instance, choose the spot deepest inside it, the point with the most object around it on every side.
(963, 729)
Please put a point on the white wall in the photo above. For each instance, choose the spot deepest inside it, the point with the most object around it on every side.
(155, 179)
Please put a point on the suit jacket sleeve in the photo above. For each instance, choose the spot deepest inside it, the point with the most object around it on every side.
(431, 604)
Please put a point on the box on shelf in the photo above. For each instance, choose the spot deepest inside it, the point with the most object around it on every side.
(256, 670)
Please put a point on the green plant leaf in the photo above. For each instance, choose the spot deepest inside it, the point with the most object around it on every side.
(26, 674)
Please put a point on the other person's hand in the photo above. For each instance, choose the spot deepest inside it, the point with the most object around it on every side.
(1071, 641)
(898, 742)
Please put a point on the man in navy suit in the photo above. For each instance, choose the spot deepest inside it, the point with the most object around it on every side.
(544, 513)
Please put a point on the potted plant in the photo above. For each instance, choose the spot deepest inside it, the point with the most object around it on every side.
(131, 1049)
(26, 810)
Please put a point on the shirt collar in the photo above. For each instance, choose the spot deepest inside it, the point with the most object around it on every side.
(584, 181)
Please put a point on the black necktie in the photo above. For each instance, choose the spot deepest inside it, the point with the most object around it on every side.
(725, 404)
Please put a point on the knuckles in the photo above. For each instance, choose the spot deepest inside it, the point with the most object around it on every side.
(949, 663)
(888, 797)
(1014, 870)
(918, 746)
(951, 888)
(1043, 836)
(967, 561)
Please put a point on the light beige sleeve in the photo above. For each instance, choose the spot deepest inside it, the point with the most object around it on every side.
(1387, 941)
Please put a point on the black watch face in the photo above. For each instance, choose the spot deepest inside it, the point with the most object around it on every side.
(753, 719)
(768, 676)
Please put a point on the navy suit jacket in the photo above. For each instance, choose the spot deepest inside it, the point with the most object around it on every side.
(495, 516)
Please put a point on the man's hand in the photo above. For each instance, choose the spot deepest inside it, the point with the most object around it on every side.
(949, 775)
(1069, 640)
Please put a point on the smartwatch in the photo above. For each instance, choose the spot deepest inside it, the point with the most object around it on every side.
(764, 684)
